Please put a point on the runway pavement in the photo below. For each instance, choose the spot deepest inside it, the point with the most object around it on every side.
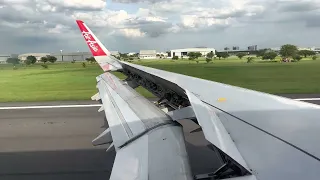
(55, 143)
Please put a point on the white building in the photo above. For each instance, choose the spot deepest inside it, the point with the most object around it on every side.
(184, 52)
(115, 53)
(148, 54)
(131, 53)
(38, 56)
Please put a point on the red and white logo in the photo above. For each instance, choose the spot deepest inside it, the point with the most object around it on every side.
(95, 48)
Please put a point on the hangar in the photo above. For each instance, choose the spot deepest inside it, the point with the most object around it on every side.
(184, 52)
(38, 56)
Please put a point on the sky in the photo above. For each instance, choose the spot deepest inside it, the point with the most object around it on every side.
(131, 25)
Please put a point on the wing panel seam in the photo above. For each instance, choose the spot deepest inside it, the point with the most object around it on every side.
(123, 122)
(172, 123)
(288, 143)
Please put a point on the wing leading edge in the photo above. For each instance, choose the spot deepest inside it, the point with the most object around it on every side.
(138, 130)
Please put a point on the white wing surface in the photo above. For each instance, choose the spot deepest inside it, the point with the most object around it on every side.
(258, 135)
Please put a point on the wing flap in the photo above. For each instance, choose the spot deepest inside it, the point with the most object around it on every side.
(214, 130)
(104, 138)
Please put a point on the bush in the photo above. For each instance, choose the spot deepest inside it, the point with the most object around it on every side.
(250, 59)
(44, 66)
(73, 61)
(84, 65)
(297, 57)
(197, 61)
(175, 58)
(208, 60)
(314, 57)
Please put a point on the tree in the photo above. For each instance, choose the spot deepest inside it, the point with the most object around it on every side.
(194, 55)
(13, 61)
(91, 59)
(123, 56)
(175, 57)
(52, 59)
(31, 59)
(241, 55)
(314, 57)
(208, 59)
(288, 50)
(306, 53)
(210, 55)
(269, 55)
(28, 62)
(219, 55)
(250, 59)
(44, 59)
(224, 55)
(261, 52)
(297, 57)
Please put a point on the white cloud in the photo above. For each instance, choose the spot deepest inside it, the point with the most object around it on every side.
(91, 4)
(132, 33)
(58, 29)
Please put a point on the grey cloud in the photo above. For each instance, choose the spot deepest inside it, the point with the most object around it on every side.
(297, 6)
(235, 14)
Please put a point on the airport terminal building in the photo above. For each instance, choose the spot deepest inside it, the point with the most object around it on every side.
(184, 52)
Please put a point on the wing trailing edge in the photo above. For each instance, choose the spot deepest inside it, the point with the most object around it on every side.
(104, 138)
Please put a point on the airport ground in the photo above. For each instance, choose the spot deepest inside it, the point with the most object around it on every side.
(67, 81)
(54, 142)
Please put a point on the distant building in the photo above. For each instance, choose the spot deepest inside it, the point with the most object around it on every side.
(3, 58)
(184, 52)
(115, 53)
(148, 54)
(38, 56)
(253, 48)
(131, 53)
(70, 56)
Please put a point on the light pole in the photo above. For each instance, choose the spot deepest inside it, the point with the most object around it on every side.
(61, 55)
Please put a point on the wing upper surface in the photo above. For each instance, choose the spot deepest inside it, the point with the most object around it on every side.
(293, 124)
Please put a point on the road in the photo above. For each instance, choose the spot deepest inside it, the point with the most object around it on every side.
(55, 143)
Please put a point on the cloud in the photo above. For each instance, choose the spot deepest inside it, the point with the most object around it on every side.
(131, 25)
(140, 1)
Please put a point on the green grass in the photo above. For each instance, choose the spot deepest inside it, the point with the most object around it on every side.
(67, 81)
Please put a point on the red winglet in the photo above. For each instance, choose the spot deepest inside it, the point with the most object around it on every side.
(94, 46)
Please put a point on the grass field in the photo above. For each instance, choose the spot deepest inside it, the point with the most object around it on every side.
(67, 81)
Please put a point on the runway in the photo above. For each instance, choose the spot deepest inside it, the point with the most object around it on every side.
(55, 142)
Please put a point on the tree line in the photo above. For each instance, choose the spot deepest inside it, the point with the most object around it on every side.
(288, 52)
(32, 60)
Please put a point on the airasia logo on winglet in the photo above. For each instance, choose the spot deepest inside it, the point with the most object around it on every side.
(94, 46)
(87, 36)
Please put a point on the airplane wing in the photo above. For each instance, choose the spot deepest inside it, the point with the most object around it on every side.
(148, 143)
(257, 135)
